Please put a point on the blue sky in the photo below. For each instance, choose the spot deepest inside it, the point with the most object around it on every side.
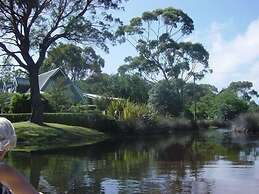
(229, 29)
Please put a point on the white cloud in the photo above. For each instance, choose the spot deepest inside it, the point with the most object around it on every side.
(236, 59)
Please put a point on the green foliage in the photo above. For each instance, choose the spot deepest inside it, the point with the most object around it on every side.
(131, 87)
(17, 117)
(81, 108)
(76, 62)
(205, 107)
(165, 98)
(102, 104)
(5, 99)
(253, 107)
(243, 89)
(125, 86)
(226, 105)
(155, 36)
(96, 84)
(21, 103)
(230, 105)
(126, 110)
(90, 119)
(60, 96)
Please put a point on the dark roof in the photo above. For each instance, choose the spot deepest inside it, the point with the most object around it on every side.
(44, 77)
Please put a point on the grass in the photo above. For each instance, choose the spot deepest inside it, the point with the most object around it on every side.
(33, 137)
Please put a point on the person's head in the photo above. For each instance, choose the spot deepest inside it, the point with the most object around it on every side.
(7, 137)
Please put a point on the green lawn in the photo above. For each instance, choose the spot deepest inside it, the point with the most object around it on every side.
(32, 137)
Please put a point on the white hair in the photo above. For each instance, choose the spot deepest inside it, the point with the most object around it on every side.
(8, 137)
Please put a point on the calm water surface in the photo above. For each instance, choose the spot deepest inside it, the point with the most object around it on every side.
(217, 161)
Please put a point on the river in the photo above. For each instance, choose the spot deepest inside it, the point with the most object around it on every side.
(214, 161)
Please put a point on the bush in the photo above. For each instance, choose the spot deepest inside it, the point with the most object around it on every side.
(248, 122)
(17, 117)
(164, 98)
(126, 110)
(103, 103)
(21, 103)
(158, 125)
(95, 120)
(58, 100)
(81, 108)
(5, 99)
(91, 119)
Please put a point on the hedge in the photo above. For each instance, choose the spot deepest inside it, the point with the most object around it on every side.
(92, 119)
(96, 120)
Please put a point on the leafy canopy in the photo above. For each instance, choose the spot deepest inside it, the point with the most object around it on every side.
(156, 36)
(78, 63)
(29, 28)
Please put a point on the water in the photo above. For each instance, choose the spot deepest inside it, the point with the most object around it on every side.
(217, 161)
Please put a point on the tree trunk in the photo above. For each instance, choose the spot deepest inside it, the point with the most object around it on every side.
(36, 104)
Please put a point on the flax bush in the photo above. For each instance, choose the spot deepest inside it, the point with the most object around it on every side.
(126, 110)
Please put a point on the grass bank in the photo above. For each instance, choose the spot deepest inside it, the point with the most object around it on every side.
(33, 137)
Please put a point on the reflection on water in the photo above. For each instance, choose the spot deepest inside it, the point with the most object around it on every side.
(208, 162)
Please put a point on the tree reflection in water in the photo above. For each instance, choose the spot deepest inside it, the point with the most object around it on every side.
(172, 164)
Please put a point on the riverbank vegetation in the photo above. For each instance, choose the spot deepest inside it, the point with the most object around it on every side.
(160, 90)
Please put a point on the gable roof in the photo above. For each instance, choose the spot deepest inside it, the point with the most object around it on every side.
(44, 77)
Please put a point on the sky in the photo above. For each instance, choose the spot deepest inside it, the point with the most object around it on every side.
(228, 29)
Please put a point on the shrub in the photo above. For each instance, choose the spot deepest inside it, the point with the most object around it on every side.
(95, 120)
(248, 122)
(21, 103)
(58, 101)
(5, 99)
(81, 108)
(126, 110)
(17, 117)
(92, 119)
(164, 98)
(102, 103)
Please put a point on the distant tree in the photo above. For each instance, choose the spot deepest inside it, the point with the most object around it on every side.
(94, 84)
(253, 106)
(163, 97)
(131, 87)
(76, 62)
(226, 105)
(205, 108)
(229, 105)
(9, 72)
(243, 89)
(125, 86)
(156, 36)
(29, 28)
(193, 92)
